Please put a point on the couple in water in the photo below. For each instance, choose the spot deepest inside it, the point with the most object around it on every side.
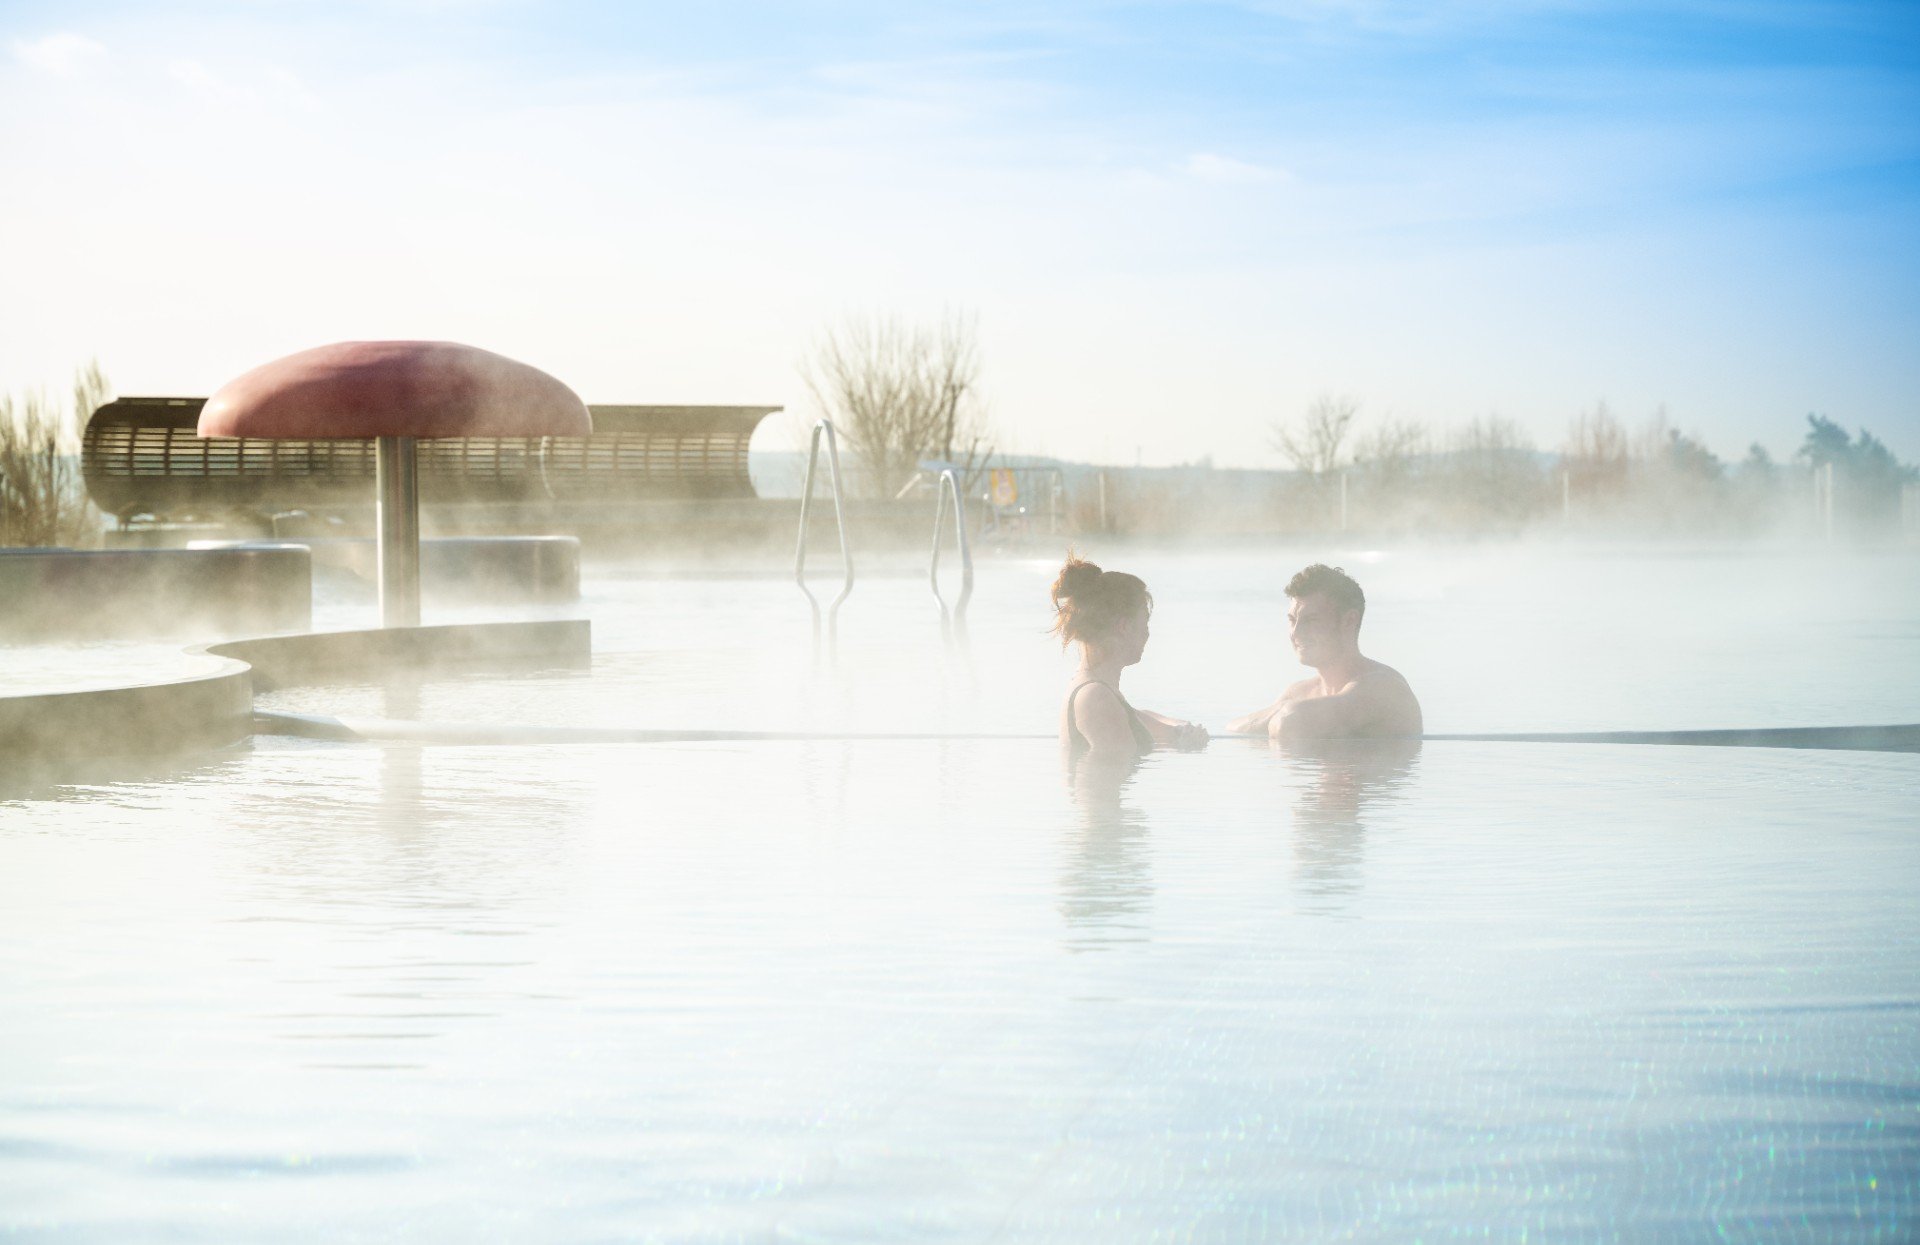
(1350, 696)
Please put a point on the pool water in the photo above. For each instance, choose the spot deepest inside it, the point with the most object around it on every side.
(960, 991)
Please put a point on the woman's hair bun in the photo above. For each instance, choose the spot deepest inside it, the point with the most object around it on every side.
(1088, 601)
(1076, 577)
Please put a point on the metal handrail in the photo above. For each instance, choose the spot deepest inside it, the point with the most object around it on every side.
(840, 517)
(948, 486)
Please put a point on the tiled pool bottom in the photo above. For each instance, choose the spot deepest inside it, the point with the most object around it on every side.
(935, 992)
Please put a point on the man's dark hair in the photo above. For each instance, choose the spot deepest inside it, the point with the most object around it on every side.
(1332, 582)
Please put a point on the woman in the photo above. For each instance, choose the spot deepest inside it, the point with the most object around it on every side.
(1105, 612)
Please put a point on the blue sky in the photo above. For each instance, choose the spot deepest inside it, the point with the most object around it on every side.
(1174, 222)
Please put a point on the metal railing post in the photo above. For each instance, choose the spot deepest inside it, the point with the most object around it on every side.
(825, 426)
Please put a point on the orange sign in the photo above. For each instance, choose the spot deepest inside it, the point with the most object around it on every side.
(1005, 489)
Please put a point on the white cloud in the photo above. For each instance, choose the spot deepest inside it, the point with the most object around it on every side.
(194, 75)
(62, 54)
(1222, 170)
(244, 83)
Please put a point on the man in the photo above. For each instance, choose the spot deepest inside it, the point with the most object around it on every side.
(1352, 696)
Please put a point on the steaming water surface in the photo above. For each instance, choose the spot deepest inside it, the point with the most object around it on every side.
(1494, 640)
(941, 990)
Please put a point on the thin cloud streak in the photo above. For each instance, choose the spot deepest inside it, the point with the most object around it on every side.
(62, 54)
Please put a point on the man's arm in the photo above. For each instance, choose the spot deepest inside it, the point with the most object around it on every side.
(1255, 723)
(1361, 708)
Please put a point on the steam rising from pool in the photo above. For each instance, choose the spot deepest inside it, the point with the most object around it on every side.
(1523, 638)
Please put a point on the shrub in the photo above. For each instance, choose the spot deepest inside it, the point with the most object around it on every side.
(43, 499)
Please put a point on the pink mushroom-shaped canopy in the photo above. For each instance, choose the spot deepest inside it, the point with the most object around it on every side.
(363, 390)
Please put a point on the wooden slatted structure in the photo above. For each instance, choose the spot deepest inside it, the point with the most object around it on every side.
(142, 456)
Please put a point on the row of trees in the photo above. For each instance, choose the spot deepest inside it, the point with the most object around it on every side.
(902, 393)
(1488, 473)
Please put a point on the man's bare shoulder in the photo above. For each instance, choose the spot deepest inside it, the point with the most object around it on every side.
(1383, 675)
(1390, 689)
(1305, 689)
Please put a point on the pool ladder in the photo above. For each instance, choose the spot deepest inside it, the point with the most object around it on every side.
(953, 620)
(953, 624)
(824, 428)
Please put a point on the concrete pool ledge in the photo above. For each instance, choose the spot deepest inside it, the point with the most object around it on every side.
(1898, 737)
(378, 653)
(47, 735)
(1894, 738)
(43, 733)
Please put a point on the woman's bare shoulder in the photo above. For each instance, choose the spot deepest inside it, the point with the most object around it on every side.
(1092, 692)
(1100, 715)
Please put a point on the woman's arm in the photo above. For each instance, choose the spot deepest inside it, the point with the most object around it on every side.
(1176, 732)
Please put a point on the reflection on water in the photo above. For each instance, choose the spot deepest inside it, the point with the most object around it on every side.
(819, 991)
(397, 892)
(100, 777)
(403, 813)
(1106, 885)
(1341, 782)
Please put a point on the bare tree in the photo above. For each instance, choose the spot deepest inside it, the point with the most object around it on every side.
(1314, 445)
(1388, 448)
(1495, 473)
(902, 392)
(1662, 449)
(1389, 461)
(1595, 455)
(43, 497)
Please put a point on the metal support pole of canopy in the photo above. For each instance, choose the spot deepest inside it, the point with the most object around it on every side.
(397, 483)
